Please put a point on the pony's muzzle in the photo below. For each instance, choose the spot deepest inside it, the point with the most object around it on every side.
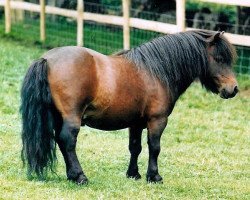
(227, 93)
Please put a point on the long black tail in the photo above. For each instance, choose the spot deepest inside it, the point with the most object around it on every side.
(37, 121)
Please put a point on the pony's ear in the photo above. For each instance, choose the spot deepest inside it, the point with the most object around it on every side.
(214, 38)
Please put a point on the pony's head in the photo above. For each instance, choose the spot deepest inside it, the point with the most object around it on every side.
(219, 77)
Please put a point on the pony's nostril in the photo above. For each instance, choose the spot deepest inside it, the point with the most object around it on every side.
(236, 90)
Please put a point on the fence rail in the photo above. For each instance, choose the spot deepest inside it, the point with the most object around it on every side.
(230, 2)
(125, 21)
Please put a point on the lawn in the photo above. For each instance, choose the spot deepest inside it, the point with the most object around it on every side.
(205, 148)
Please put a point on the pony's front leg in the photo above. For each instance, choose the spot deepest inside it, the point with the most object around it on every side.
(155, 128)
(135, 149)
(67, 142)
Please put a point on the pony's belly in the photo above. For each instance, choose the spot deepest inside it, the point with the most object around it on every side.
(114, 122)
(103, 124)
(113, 115)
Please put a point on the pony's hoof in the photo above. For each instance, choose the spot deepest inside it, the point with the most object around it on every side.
(82, 180)
(135, 176)
(154, 179)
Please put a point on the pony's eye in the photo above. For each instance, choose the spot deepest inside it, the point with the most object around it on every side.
(219, 59)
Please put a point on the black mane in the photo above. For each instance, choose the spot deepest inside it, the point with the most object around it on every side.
(173, 57)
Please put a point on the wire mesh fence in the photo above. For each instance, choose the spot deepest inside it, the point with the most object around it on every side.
(105, 38)
(60, 31)
(243, 63)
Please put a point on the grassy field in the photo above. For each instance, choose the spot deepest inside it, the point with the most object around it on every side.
(205, 148)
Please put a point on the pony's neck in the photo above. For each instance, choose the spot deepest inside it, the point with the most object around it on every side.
(180, 86)
(176, 60)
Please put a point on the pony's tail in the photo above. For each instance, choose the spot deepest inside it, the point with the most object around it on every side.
(38, 149)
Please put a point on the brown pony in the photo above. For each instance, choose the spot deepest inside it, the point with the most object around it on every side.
(70, 87)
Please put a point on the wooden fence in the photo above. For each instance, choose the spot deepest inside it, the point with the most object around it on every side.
(125, 21)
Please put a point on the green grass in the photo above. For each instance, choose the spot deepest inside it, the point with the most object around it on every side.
(205, 148)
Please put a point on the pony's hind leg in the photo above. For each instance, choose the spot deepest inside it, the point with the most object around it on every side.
(67, 143)
(62, 131)
(135, 149)
(71, 84)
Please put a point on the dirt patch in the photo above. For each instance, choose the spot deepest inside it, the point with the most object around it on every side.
(245, 93)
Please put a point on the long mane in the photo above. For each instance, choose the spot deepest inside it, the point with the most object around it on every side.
(177, 57)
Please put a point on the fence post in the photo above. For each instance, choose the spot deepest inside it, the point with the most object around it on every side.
(80, 22)
(180, 15)
(126, 29)
(18, 14)
(7, 13)
(42, 20)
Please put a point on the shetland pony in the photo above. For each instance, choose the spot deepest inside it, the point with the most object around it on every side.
(70, 87)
